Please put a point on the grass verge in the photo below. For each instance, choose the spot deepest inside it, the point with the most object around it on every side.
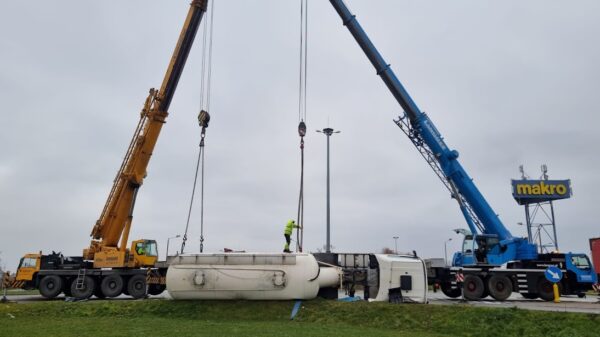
(316, 318)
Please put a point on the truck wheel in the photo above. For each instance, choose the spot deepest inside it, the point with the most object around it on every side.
(86, 290)
(449, 291)
(51, 286)
(546, 290)
(473, 287)
(530, 296)
(112, 285)
(500, 287)
(156, 289)
(137, 286)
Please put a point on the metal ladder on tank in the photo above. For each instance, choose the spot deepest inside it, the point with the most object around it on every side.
(79, 284)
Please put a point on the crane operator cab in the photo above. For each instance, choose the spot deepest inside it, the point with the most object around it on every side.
(475, 250)
(143, 253)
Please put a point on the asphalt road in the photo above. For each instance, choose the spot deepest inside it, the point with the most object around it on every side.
(589, 304)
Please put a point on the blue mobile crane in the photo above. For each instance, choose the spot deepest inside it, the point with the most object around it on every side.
(493, 261)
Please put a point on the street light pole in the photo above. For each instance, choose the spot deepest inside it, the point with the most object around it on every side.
(328, 132)
(446, 251)
(168, 239)
(396, 244)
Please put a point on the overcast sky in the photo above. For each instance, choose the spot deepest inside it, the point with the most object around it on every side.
(506, 82)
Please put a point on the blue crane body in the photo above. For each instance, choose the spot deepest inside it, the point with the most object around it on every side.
(503, 246)
(490, 244)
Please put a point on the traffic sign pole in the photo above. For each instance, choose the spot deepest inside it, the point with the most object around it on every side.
(554, 274)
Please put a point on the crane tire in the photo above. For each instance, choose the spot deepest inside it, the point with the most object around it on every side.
(500, 287)
(473, 287)
(137, 286)
(545, 289)
(530, 296)
(87, 289)
(449, 291)
(156, 289)
(51, 286)
(112, 285)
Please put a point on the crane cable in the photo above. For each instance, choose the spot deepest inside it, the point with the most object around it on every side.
(302, 115)
(203, 120)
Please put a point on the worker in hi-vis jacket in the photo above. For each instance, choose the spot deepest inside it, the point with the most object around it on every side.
(289, 228)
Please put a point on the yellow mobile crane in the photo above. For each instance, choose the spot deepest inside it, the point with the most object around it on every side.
(108, 267)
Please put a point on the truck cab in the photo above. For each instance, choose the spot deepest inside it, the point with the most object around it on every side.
(580, 265)
(29, 265)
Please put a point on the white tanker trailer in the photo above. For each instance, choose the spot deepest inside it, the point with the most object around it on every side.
(250, 276)
(277, 276)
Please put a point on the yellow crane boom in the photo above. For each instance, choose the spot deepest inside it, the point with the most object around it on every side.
(110, 234)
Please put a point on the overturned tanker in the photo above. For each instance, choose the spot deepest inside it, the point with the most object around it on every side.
(251, 276)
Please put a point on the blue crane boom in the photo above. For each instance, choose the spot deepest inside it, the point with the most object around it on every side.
(499, 244)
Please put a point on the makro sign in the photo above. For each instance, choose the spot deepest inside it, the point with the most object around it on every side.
(533, 191)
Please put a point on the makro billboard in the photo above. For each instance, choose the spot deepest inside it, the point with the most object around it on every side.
(534, 191)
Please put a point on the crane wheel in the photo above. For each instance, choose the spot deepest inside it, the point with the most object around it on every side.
(530, 296)
(500, 287)
(545, 289)
(156, 289)
(137, 286)
(51, 286)
(449, 291)
(473, 287)
(86, 290)
(112, 285)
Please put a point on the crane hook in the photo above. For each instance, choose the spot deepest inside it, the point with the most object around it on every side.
(203, 118)
(302, 129)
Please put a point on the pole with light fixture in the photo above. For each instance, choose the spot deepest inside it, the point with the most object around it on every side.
(328, 132)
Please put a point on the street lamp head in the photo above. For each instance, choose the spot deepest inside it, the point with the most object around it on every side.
(177, 236)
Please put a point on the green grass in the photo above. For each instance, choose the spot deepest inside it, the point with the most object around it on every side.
(316, 318)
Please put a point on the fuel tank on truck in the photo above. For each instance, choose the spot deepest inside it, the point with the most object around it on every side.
(250, 276)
